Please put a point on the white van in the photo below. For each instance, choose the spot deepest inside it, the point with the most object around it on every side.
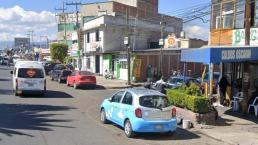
(29, 78)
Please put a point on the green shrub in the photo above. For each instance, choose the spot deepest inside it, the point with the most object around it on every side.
(197, 104)
(193, 89)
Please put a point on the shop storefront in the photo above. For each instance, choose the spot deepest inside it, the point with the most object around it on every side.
(238, 64)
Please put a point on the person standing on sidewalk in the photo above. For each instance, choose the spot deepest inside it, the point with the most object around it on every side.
(223, 84)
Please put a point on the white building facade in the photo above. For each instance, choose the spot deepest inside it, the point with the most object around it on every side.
(103, 44)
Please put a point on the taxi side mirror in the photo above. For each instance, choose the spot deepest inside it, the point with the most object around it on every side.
(11, 72)
(110, 99)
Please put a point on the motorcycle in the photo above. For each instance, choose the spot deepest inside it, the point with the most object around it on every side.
(109, 75)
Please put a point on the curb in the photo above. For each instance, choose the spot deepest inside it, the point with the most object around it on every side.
(122, 87)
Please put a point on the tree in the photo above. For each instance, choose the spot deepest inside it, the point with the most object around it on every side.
(58, 51)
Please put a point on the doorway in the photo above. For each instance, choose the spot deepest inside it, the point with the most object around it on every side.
(97, 64)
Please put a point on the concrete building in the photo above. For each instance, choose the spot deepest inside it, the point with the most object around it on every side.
(67, 33)
(233, 40)
(104, 29)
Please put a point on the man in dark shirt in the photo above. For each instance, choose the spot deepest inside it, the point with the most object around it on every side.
(223, 83)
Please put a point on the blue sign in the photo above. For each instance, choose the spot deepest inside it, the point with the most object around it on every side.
(220, 54)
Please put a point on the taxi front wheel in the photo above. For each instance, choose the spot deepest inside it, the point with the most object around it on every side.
(128, 129)
(103, 117)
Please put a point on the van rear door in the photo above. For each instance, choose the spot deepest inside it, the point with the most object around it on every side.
(30, 79)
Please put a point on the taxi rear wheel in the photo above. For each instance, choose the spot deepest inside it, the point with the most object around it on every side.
(103, 117)
(128, 129)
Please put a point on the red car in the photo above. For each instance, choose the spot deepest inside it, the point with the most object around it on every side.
(81, 79)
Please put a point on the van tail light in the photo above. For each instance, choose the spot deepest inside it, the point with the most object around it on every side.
(16, 84)
(138, 113)
(45, 84)
(173, 112)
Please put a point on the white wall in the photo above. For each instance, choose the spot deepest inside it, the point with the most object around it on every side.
(91, 46)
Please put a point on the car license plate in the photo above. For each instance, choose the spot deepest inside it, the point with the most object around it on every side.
(158, 127)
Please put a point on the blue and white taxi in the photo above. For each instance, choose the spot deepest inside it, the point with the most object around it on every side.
(139, 110)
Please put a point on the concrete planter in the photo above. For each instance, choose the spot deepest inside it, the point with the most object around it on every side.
(196, 118)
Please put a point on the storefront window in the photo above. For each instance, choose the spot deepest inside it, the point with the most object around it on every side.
(216, 16)
(240, 14)
(123, 64)
(227, 15)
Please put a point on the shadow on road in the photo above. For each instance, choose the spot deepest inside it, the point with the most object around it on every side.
(16, 117)
(6, 92)
(4, 80)
(50, 94)
(249, 117)
(180, 134)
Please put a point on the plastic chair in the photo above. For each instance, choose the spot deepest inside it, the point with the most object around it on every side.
(255, 105)
(238, 98)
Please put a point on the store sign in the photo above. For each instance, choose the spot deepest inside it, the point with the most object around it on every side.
(239, 36)
(237, 54)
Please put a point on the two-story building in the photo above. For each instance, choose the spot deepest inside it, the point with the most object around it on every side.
(105, 26)
(232, 23)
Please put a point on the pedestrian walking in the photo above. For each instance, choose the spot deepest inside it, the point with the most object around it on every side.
(223, 84)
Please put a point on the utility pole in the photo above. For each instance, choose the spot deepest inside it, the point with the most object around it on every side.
(63, 16)
(127, 43)
(31, 33)
(46, 40)
(76, 4)
(161, 43)
(246, 71)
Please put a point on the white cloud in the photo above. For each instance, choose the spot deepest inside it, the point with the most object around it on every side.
(197, 32)
(16, 20)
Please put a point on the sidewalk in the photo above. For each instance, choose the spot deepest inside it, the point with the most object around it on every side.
(232, 128)
(114, 84)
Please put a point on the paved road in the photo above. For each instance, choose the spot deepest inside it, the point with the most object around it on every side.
(68, 117)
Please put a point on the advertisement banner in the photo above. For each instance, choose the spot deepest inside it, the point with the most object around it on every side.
(239, 37)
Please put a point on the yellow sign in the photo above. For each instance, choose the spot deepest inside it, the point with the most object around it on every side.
(137, 68)
(171, 41)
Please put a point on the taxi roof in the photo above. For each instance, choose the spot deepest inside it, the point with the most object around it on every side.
(28, 64)
(143, 92)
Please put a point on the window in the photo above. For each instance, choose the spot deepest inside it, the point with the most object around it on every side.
(84, 73)
(123, 64)
(216, 16)
(88, 37)
(240, 14)
(97, 35)
(30, 73)
(74, 73)
(117, 97)
(154, 101)
(227, 15)
(128, 99)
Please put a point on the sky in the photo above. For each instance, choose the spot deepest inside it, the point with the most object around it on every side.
(17, 17)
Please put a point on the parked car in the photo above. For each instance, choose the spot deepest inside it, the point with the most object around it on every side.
(49, 66)
(29, 78)
(177, 81)
(1, 60)
(70, 67)
(5, 61)
(56, 71)
(139, 110)
(81, 79)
